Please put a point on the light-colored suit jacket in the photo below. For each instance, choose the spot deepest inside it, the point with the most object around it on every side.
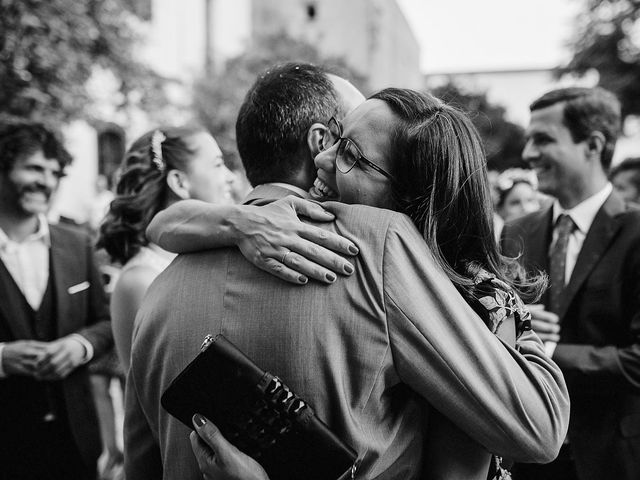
(372, 353)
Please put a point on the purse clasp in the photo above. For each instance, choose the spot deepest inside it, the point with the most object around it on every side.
(208, 340)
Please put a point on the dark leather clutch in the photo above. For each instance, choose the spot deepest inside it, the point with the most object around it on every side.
(258, 413)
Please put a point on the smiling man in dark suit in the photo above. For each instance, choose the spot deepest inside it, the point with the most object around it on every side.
(588, 242)
(53, 318)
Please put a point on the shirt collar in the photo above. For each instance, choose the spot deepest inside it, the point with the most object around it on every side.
(42, 234)
(584, 213)
(288, 186)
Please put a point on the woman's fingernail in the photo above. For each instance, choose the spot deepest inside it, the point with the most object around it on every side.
(199, 420)
(303, 279)
(328, 213)
(353, 249)
(330, 277)
(348, 268)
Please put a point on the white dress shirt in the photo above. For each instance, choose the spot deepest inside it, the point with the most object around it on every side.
(28, 264)
(582, 215)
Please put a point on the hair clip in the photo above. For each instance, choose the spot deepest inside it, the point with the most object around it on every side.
(156, 149)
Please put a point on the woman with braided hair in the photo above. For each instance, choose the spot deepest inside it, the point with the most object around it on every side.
(161, 167)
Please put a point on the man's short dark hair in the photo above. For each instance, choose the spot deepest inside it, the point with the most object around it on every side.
(628, 165)
(21, 138)
(587, 110)
(275, 116)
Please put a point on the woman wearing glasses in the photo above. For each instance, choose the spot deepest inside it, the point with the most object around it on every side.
(409, 152)
(345, 157)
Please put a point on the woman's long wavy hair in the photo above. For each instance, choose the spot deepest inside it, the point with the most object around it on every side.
(142, 190)
(442, 185)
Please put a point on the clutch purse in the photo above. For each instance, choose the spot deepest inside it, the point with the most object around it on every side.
(258, 413)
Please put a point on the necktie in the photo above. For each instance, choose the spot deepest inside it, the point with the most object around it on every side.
(558, 260)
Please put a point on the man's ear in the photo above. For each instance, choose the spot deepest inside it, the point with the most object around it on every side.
(178, 183)
(595, 144)
(317, 138)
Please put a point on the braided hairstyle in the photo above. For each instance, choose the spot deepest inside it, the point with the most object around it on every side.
(142, 189)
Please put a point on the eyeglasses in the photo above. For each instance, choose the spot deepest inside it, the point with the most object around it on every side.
(348, 153)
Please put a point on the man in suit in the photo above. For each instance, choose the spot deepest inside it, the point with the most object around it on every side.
(370, 357)
(53, 318)
(589, 243)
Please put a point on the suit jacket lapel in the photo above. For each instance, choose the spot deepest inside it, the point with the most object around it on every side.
(11, 307)
(64, 268)
(539, 235)
(603, 229)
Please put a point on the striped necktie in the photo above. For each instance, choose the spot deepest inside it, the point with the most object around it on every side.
(558, 260)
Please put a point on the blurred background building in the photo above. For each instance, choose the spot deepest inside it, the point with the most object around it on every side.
(372, 36)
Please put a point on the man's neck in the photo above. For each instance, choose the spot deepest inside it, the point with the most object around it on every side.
(580, 193)
(299, 181)
(304, 177)
(18, 227)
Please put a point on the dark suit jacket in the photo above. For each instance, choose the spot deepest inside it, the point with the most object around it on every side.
(599, 348)
(84, 312)
(371, 352)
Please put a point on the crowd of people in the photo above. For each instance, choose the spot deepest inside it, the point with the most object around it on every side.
(444, 323)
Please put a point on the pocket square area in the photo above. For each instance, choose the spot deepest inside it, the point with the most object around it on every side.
(78, 288)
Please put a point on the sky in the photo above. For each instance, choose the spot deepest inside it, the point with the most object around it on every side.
(470, 35)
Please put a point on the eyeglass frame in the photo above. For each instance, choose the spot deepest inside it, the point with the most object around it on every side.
(361, 157)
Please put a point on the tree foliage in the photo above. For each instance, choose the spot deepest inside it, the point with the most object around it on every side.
(218, 97)
(49, 50)
(503, 140)
(607, 38)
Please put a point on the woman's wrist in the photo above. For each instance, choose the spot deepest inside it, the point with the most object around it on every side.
(236, 224)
